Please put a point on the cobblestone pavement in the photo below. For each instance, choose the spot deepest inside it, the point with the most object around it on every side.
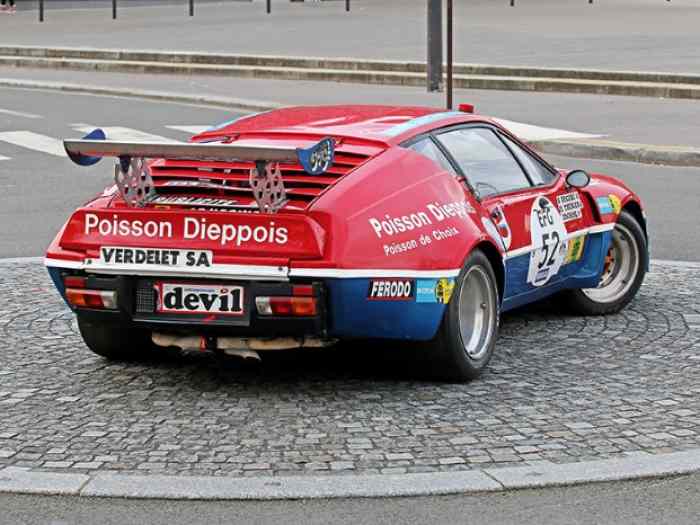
(560, 389)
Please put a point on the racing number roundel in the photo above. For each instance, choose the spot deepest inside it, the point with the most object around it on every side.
(548, 241)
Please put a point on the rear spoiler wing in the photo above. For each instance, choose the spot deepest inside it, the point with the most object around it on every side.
(132, 174)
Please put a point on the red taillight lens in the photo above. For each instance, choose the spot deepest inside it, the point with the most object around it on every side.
(304, 306)
(286, 306)
(281, 305)
(103, 299)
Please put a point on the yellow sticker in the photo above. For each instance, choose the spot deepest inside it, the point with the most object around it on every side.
(615, 203)
(443, 290)
(574, 250)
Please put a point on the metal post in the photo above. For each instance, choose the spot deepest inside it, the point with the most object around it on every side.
(191, 7)
(512, 3)
(269, 7)
(114, 9)
(347, 6)
(434, 72)
(41, 10)
(449, 54)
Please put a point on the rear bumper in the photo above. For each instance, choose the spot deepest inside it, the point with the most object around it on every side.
(136, 304)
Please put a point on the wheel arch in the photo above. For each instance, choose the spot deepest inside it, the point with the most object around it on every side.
(635, 209)
(497, 264)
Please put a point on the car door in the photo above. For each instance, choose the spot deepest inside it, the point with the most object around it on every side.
(522, 195)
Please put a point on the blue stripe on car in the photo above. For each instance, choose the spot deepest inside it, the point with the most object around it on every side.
(419, 121)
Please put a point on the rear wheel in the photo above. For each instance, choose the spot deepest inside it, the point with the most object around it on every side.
(623, 273)
(116, 340)
(466, 338)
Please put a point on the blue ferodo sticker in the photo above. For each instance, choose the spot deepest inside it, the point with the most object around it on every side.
(604, 205)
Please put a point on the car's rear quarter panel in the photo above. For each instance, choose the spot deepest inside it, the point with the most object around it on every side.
(365, 215)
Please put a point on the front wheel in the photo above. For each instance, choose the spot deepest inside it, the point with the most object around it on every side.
(466, 338)
(115, 340)
(623, 272)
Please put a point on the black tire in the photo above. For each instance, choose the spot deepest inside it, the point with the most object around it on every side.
(629, 276)
(448, 355)
(116, 341)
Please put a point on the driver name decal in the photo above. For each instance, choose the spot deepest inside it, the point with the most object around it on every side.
(570, 206)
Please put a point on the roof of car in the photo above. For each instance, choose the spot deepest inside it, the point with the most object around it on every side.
(389, 124)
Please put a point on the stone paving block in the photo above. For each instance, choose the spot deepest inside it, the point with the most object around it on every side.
(559, 388)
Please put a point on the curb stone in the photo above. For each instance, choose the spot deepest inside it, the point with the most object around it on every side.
(644, 83)
(577, 148)
(461, 81)
(639, 465)
(340, 63)
(621, 151)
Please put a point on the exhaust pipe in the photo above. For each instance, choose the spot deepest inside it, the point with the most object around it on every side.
(245, 347)
(184, 342)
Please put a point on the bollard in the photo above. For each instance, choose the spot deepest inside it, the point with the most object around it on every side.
(269, 7)
(114, 9)
(41, 10)
(191, 7)
(434, 72)
(347, 5)
(449, 53)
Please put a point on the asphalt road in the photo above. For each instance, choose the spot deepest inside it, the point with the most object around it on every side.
(641, 120)
(648, 502)
(38, 190)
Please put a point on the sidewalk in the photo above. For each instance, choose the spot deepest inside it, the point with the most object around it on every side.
(645, 35)
(624, 119)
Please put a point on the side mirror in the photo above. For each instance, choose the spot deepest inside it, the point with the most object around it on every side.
(578, 179)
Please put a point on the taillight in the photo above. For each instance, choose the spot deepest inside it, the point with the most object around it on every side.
(286, 306)
(82, 298)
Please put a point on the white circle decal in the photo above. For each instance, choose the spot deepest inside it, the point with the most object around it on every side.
(548, 241)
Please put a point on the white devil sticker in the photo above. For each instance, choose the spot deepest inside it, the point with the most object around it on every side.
(548, 242)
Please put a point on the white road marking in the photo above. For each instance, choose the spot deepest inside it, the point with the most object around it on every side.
(4, 158)
(34, 141)
(192, 130)
(530, 132)
(19, 113)
(126, 134)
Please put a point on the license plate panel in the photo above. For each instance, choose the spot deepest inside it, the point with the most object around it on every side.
(200, 299)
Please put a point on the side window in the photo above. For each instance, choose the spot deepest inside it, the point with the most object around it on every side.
(427, 148)
(486, 161)
(538, 173)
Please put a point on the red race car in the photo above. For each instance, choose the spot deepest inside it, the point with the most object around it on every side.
(302, 226)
